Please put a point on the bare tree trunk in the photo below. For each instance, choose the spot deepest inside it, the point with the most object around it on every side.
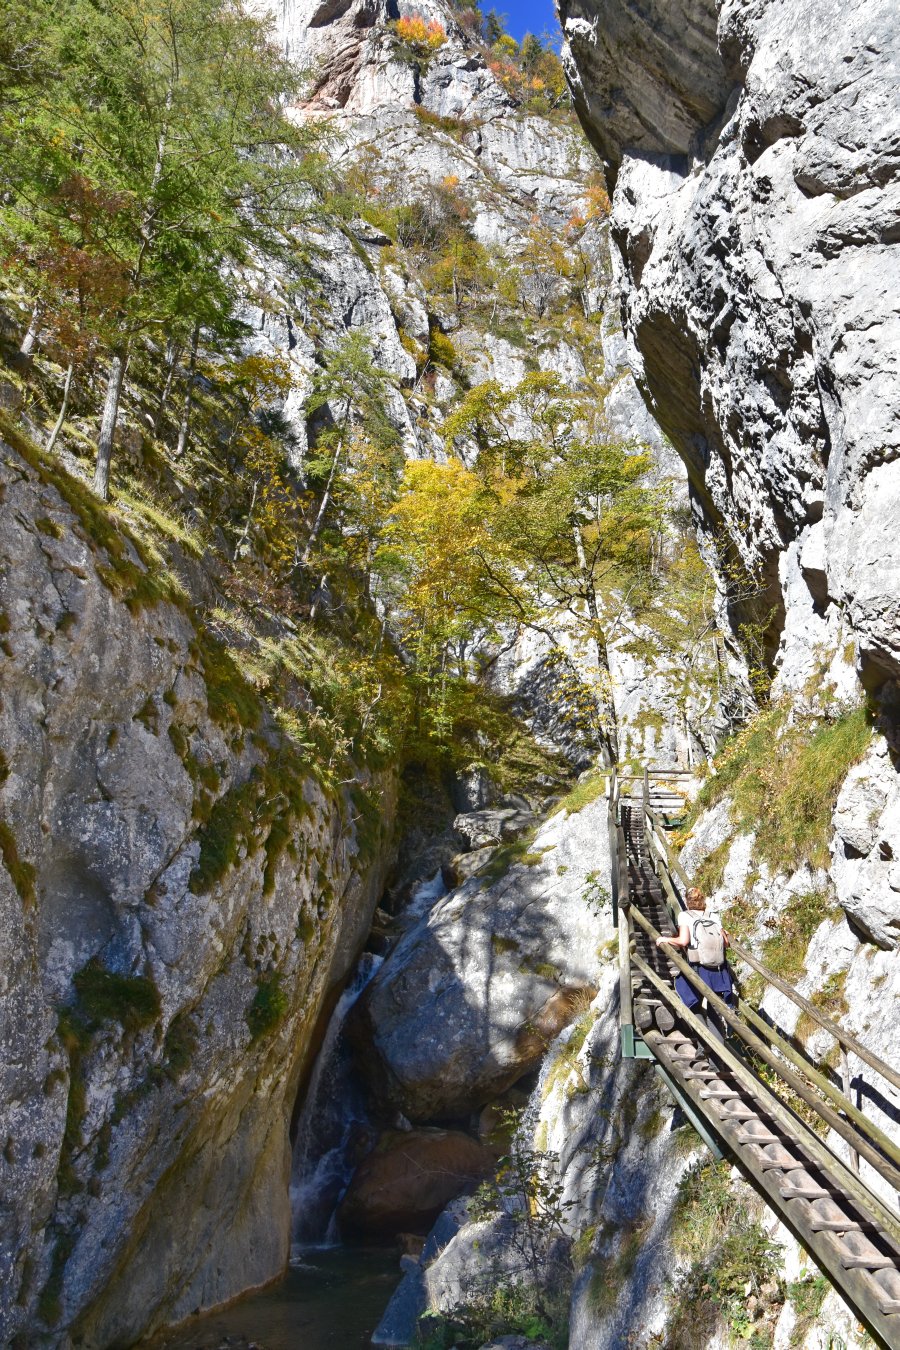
(323, 504)
(173, 351)
(67, 389)
(245, 532)
(108, 424)
(606, 701)
(320, 594)
(185, 427)
(34, 328)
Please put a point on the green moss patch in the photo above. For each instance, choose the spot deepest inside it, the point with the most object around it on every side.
(104, 996)
(49, 1306)
(269, 1007)
(180, 1045)
(22, 873)
(231, 699)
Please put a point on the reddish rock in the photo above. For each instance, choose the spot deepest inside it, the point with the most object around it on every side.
(405, 1183)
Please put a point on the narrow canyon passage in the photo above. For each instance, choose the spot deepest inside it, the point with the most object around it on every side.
(448, 514)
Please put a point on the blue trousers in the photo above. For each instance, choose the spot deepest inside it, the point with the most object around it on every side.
(719, 980)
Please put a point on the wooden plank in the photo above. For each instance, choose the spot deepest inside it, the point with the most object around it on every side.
(825, 1248)
(697, 1118)
(841, 1099)
(671, 861)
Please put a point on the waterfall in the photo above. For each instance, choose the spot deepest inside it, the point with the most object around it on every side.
(334, 1115)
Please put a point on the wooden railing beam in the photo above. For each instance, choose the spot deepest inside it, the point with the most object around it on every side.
(847, 1132)
(792, 1124)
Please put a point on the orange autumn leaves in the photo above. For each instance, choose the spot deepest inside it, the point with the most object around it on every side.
(416, 32)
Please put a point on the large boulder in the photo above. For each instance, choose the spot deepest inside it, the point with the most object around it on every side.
(408, 1179)
(494, 825)
(469, 999)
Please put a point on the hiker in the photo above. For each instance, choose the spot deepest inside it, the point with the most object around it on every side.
(706, 940)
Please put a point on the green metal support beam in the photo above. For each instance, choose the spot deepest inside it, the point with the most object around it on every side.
(687, 1106)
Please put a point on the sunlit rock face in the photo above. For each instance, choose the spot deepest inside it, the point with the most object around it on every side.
(754, 150)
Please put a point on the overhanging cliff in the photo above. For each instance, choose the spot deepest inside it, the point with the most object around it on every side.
(754, 150)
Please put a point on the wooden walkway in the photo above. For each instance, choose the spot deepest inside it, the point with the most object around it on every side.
(772, 1127)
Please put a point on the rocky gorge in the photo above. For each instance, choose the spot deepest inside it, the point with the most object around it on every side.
(192, 867)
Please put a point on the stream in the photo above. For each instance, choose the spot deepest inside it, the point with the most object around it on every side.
(331, 1301)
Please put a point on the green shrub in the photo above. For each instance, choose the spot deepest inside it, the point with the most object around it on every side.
(711, 871)
(269, 1006)
(735, 1272)
(49, 1306)
(441, 349)
(784, 781)
(383, 218)
(104, 996)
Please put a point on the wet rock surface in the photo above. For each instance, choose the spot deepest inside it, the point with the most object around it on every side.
(408, 1178)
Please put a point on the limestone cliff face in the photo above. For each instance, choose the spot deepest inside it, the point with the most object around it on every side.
(179, 893)
(754, 150)
(406, 132)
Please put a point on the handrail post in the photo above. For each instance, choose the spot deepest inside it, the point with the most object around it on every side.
(612, 821)
(847, 1088)
(626, 1008)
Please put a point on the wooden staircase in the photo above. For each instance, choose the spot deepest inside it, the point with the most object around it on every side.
(767, 1126)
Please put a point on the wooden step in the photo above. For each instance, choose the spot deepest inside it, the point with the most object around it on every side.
(738, 1111)
(856, 1252)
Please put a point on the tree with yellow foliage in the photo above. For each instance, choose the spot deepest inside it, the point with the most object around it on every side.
(574, 520)
(438, 562)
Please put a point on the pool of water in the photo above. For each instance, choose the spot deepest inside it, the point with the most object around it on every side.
(332, 1301)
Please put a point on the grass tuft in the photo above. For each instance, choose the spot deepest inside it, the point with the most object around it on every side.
(582, 794)
(785, 951)
(21, 873)
(784, 780)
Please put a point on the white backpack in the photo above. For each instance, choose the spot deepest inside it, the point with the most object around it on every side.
(707, 941)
